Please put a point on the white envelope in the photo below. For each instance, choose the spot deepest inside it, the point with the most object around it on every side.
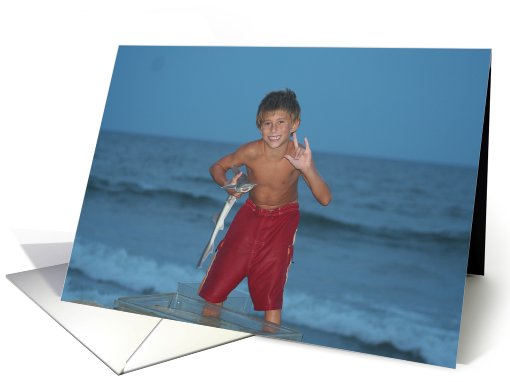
(123, 341)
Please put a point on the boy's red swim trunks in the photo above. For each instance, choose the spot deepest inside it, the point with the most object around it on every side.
(258, 245)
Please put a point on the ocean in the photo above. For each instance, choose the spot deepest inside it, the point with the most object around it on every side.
(381, 269)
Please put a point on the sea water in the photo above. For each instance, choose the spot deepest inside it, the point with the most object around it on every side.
(381, 269)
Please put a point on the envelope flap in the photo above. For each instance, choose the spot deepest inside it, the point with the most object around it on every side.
(172, 339)
(112, 336)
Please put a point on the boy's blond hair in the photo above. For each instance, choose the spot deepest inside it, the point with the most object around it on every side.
(279, 100)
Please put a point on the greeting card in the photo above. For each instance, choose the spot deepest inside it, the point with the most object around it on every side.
(327, 196)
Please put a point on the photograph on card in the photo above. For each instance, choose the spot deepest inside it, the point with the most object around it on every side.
(318, 195)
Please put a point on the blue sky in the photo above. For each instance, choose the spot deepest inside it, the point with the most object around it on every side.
(415, 104)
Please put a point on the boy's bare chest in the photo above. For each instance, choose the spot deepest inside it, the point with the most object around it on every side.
(272, 173)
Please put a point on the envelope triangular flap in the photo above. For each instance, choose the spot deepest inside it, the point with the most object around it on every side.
(117, 337)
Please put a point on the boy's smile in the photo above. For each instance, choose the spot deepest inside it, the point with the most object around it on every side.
(276, 128)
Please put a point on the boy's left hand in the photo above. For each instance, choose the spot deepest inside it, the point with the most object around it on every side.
(302, 159)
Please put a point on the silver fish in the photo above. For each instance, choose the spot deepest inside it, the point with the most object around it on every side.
(242, 185)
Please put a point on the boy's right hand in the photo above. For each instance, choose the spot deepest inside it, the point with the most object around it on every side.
(234, 181)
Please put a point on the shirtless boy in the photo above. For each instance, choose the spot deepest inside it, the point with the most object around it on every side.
(259, 243)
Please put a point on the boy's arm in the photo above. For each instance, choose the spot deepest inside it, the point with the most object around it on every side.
(302, 160)
(219, 169)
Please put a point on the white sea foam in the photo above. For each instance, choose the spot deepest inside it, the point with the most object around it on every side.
(105, 263)
(407, 331)
(90, 296)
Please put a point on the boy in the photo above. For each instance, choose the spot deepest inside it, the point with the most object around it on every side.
(259, 242)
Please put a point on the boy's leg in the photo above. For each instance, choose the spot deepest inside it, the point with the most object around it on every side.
(212, 310)
(274, 316)
(267, 274)
(228, 266)
(211, 314)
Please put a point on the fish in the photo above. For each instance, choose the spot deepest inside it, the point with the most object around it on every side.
(242, 185)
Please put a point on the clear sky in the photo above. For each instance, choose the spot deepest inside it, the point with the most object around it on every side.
(417, 104)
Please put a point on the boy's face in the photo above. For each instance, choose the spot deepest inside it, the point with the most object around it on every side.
(276, 128)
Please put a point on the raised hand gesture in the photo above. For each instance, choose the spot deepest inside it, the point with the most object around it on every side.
(302, 159)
